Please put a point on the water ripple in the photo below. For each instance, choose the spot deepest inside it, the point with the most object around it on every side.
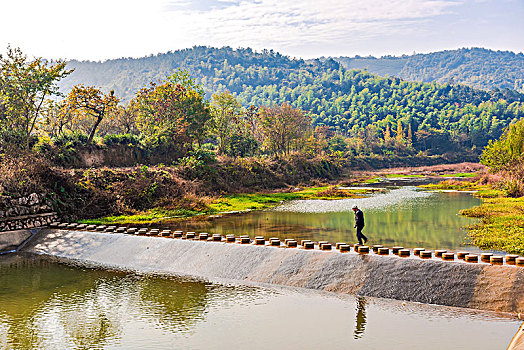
(401, 196)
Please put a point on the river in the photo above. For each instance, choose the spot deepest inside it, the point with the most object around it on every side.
(45, 304)
(402, 216)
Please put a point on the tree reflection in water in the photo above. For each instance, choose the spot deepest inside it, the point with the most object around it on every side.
(360, 323)
(44, 304)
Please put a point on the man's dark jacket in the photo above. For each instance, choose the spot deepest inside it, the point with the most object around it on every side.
(359, 218)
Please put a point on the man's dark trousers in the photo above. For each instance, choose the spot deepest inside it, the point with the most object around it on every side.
(360, 235)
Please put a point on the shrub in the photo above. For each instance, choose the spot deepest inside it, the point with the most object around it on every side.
(121, 139)
(513, 188)
(70, 139)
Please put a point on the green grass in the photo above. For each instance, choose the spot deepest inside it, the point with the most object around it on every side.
(463, 175)
(148, 217)
(457, 186)
(501, 224)
(240, 202)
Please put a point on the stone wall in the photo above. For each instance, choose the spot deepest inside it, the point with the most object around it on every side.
(34, 210)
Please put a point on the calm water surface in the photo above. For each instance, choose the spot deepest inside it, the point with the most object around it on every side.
(403, 216)
(49, 305)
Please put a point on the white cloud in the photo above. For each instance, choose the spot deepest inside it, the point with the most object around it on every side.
(99, 29)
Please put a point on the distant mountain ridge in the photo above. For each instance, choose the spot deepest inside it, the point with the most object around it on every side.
(347, 102)
(476, 67)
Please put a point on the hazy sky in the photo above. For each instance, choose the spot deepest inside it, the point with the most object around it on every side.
(102, 29)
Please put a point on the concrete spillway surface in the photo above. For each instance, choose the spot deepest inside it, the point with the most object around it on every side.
(49, 305)
(478, 286)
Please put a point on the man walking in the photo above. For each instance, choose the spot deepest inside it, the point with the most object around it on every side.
(359, 224)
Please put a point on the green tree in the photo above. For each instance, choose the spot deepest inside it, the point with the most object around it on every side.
(173, 112)
(90, 104)
(227, 119)
(24, 86)
(284, 128)
(507, 153)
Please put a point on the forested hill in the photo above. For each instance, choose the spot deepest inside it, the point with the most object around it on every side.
(348, 101)
(475, 67)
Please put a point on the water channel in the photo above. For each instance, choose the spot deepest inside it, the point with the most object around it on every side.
(51, 304)
(403, 216)
(45, 304)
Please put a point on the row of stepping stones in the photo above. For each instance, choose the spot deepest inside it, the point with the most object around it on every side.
(378, 249)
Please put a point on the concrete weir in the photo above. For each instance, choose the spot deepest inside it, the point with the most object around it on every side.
(452, 283)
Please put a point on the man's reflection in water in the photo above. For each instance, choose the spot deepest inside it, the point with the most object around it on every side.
(360, 325)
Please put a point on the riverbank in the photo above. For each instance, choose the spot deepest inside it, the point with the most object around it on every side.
(501, 224)
(203, 207)
(231, 204)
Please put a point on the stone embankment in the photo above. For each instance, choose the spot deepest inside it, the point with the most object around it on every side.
(410, 275)
(31, 211)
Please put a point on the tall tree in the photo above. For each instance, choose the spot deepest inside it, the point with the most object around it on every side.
(173, 112)
(24, 86)
(90, 103)
(227, 120)
(284, 128)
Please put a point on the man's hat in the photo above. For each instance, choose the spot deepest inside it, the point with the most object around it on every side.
(354, 207)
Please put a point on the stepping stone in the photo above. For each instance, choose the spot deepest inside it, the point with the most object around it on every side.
(325, 246)
(165, 233)
(376, 247)
(291, 243)
(448, 256)
(363, 249)
(274, 242)
(486, 256)
(511, 259)
(383, 251)
(426, 254)
(472, 258)
(344, 248)
(462, 255)
(338, 244)
(439, 252)
(396, 249)
(416, 251)
(404, 253)
(309, 245)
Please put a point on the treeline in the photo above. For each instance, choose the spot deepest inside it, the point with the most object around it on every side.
(351, 104)
(475, 67)
(263, 103)
(172, 117)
